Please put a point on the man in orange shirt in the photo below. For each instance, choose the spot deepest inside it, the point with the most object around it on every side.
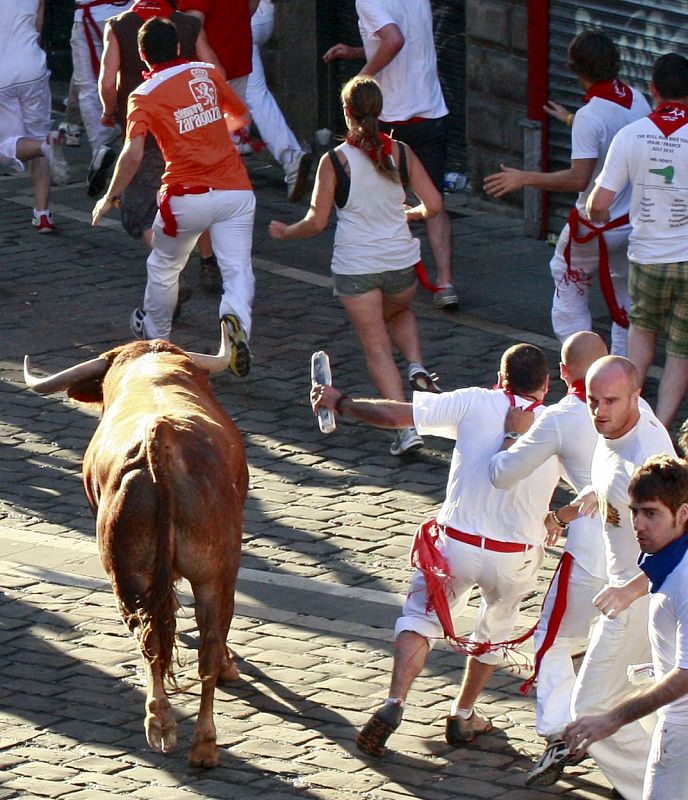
(190, 110)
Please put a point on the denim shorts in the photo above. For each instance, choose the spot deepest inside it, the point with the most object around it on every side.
(392, 281)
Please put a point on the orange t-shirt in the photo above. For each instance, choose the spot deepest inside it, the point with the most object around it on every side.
(183, 107)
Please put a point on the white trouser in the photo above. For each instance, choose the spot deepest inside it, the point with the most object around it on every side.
(24, 113)
(556, 675)
(265, 112)
(87, 86)
(229, 216)
(504, 580)
(570, 305)
(667, 770)
(602, 684)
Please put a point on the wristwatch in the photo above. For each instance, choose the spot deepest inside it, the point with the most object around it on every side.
(512, 435)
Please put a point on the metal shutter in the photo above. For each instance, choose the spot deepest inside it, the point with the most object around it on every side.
(642, 30)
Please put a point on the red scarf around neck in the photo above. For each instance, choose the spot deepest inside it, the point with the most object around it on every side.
(578, 388)
(147, 9)
(615, 91)
(165, 65)
(385, 141)
(669, 117)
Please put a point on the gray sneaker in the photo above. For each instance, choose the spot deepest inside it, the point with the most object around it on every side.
(407, 439)
(446, 297)
(101, 162)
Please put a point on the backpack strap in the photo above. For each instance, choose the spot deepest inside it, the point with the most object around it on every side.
(343, 181)
(403, 165)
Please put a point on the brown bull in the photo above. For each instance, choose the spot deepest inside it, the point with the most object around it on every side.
(166, 477)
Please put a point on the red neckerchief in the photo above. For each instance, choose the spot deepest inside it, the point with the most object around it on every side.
(165, 65)
(578, 388)
(512, 397)
(385, 141)
(615, 91)
(669, 117)
(147, 9)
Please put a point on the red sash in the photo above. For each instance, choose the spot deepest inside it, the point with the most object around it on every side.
(615, 91)
(618, 314)
(365, 145)
(176, 190)
(92, 30)
(426, 556)
(669, 117)
(558, 610)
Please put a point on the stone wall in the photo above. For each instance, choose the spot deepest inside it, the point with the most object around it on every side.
(496, 86)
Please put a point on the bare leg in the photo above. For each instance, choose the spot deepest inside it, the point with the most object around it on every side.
(402, 324)
(365, 311)
(40, 181)
(205, 246)
(672, 387)
(641, 350)
(475, 677)
(410, 656)
(440, 238)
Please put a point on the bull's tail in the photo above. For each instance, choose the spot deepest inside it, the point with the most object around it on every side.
(156, 633)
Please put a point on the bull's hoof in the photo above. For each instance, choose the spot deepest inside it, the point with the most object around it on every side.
(204, 754)
(229, 673)
(161, 735)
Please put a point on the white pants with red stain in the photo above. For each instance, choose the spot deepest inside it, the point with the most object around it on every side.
(556, 676)
(570, 305)
(265, 112)
(229, 216)
(602, 684)
(504, 580)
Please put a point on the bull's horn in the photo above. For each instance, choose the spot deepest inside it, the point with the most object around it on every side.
(61, 381)
(221, 360)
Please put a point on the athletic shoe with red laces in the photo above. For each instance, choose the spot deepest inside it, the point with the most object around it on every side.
(43, 222)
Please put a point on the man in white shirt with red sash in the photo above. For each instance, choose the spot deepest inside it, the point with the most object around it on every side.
(583, 249)
(650, 158)
(563, 431)
(482, 536)
(659, 505)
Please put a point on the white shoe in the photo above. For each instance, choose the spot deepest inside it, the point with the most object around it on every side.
(136, 323)
(101, 162)
(71, 131)
(407, 439)
(296, 176)
(59, 169)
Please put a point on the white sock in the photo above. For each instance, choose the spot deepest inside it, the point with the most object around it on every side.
(394, 701)
(455, 711)
(38, 213)
(414, 367)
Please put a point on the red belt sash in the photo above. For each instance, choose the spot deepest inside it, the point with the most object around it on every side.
(617, 313)
(176, 190)
(92, 29)
(426, 556)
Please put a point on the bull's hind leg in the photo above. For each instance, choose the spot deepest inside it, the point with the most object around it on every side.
(214, 609)
(160, 724)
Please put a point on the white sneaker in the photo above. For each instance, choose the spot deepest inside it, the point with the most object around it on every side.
(43, 221)
(136, 323)
(407, 439)
(296, 176)
(71, 131)
(101, 162)
(59, 169)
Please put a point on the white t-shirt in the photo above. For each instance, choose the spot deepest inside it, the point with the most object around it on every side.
(475, 419)
(563, 431)
(409, 83)
(594, 126)
(669, 635)
(656, 167)
(23, 59)
(613, 463)
(101, 13)
(372, 233)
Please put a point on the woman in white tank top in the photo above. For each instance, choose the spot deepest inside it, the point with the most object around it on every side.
(374, 253)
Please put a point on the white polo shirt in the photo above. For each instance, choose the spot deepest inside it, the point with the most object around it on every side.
(475, 419)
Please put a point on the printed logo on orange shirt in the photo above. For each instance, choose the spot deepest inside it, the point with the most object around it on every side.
(205, 110)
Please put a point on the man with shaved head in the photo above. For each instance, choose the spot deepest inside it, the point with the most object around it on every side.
(564, 431)
(628, 435)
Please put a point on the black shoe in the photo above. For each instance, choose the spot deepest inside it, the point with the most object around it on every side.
(101, 162)
(373, 735)
(210, 278)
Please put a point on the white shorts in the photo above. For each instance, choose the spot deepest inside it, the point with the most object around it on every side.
(667, 768)
(503, 578)
(24, 113)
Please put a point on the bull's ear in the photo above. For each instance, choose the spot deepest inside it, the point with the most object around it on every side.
(90, 391)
